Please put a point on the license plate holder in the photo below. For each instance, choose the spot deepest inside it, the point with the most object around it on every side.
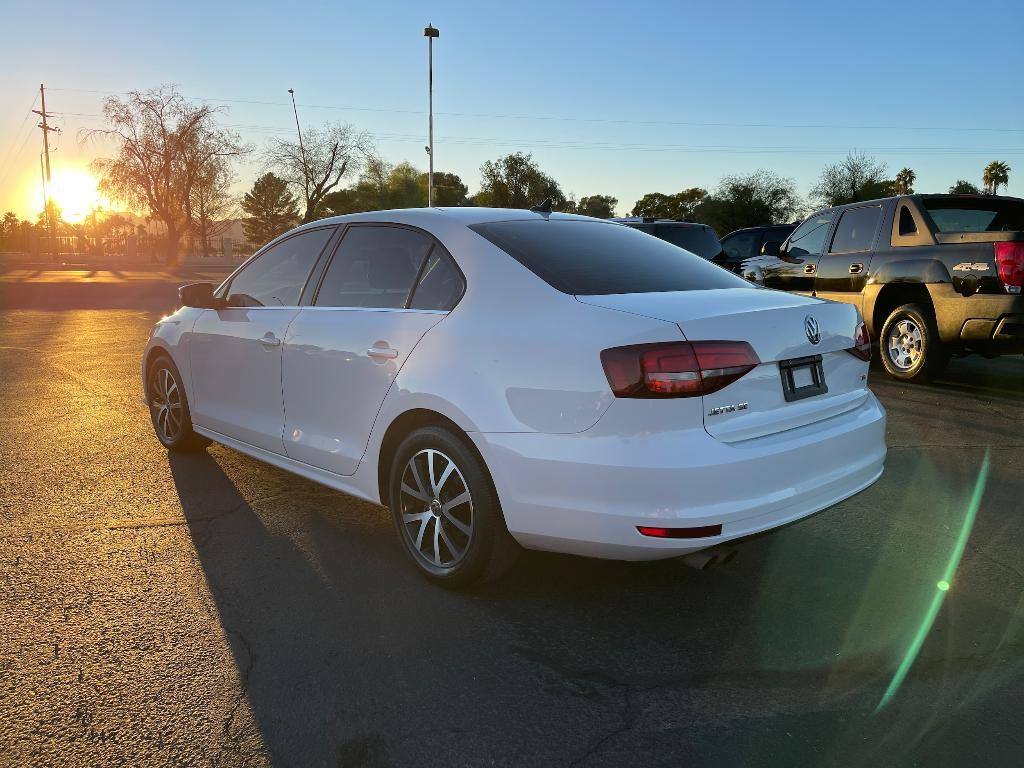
(802, 377)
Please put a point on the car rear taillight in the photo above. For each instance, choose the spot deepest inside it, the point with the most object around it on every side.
(676, 368)
(1010, 265)
(861, 343)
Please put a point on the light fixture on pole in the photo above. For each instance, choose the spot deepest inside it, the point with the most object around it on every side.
(430, 33)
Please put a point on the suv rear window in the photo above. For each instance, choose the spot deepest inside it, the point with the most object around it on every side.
(965, 214)
(699, 240)
(590, 258)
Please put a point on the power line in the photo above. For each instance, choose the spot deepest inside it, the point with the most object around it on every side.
(626, 147)
(612, 121)
(14, 141)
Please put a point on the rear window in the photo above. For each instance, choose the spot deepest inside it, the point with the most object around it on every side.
(589, 258)
(699, 240)
(959, 214)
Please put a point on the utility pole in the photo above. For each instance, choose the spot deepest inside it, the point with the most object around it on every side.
(430, 33)
(46, 152)
(302, 150)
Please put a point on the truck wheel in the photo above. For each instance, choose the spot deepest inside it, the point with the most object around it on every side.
(910, 347)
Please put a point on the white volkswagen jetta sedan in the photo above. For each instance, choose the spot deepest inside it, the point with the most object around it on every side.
(503, 377)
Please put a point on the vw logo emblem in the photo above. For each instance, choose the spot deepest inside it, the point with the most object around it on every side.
(812, 330)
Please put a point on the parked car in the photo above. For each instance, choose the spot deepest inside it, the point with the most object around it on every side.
(691, 236)
(501, 378)
(742, 244)
(933, 275)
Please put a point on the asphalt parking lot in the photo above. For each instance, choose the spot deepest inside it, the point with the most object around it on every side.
(208, 609)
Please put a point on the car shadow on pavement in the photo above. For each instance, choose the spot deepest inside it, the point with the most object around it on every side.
(345, 656)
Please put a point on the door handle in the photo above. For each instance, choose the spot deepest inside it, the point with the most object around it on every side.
(270, 340)
(809, 269)
(856, 269)
(382, 353)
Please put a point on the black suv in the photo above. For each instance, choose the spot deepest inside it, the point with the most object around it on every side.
(749, 242)
(933, 275)
(695, 238)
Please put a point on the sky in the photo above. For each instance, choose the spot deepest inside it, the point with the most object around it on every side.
(620, 99)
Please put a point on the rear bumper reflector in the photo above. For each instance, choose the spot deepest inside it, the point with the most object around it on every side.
(681, 533)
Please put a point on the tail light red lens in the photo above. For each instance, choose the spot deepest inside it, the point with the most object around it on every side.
(677, 368)
(862, 343)
(1010, 265)
(680, 533)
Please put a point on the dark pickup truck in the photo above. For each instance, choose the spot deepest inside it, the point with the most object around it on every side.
(933, 275)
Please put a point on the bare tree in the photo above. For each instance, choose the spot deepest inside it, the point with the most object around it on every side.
(164, 144)
(211, 205)
(328, 155)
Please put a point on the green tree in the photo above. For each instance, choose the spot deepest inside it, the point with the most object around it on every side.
(681, 205)
(964, 187)
(858, 177)
(449, 189)
(750, 200)
(599, 206)
(271, 209)
(996, 175)
(516, 181)
(904, 182)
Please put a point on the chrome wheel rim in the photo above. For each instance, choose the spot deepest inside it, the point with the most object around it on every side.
(436, 509)
(165, 404)
(905, 344)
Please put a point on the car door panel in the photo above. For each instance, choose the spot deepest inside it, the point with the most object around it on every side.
(843, 270)
(235, 356)
(235, 351)
(795, 267)
(338, 366)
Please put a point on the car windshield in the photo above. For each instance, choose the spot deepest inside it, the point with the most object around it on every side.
(965, 214)
(591, 258)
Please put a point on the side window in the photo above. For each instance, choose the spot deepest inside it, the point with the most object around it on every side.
(809, 238)
(856, 230)
(276, 277)
(375, 266)
(440, 285)
(907, 224)
(740, 246)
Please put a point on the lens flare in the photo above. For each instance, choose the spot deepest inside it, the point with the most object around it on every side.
(943, 586)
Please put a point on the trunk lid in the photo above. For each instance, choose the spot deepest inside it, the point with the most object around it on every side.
(775, 325)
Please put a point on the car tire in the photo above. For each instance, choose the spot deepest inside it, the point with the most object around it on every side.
(909, 345)
(168, 407)
(446, 511)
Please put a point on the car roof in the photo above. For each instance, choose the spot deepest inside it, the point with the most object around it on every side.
(463, 215)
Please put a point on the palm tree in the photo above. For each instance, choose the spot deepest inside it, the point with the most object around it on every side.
(905, 182)
(996, 175)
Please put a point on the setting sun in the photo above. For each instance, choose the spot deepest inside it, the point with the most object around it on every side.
(74, 191)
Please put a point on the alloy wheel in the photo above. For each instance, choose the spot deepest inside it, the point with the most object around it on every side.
(165, 404)
(436, 509)
(905, 344)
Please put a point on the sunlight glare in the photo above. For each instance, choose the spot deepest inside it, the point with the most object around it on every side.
(74, 191)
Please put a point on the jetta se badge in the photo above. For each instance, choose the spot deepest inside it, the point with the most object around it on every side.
(812, 330)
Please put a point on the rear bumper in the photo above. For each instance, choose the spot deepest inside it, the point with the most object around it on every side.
(989, 322)
(587, 493)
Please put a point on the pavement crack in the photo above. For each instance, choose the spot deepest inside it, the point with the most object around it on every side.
(245, 671)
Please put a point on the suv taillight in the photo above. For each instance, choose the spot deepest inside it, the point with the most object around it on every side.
(677, 368)
(1010, 265)
(861, 343)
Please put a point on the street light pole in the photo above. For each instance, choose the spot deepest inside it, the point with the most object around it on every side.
(430, 33)
(302, 150)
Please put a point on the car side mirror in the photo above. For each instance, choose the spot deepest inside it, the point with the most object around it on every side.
(770, 248)
(199, 295)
